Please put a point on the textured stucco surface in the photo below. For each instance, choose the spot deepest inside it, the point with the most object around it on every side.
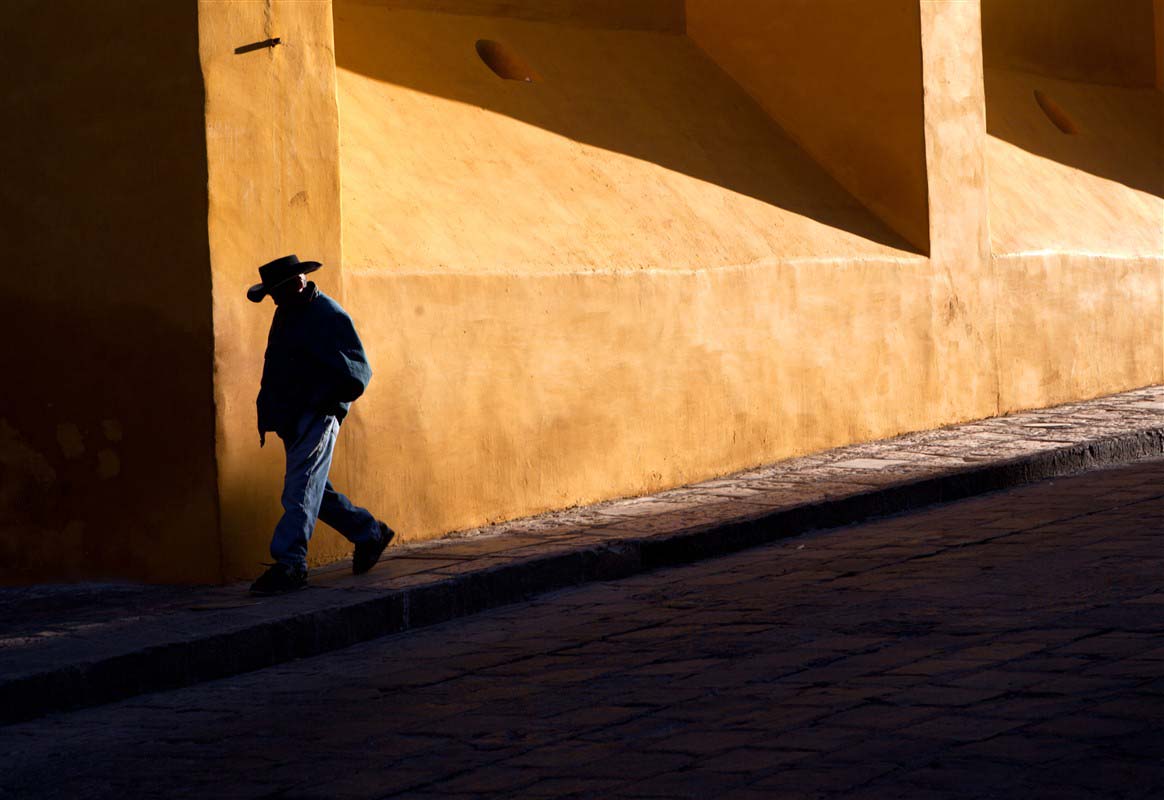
(844, 78)
(106, 415)
(272, 148)
(633, 151)
(504, 395)
(590, 355)
(1076, 220)
(1100, 191)
(1077, 326)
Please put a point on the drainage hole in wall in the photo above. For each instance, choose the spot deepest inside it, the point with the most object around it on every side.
(1060, 118)
(505, 62)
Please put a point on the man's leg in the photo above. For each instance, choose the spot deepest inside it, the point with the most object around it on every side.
(308, 462)
(354, 523)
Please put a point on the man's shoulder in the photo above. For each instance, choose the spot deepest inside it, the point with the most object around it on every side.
(323, 304)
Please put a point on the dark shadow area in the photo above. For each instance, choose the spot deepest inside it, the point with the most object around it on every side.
(653, 96)
(106, 441)
(1074, 82)
(107, 419)
(643, 15)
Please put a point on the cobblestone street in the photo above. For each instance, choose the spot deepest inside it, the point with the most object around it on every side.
(1010, 645)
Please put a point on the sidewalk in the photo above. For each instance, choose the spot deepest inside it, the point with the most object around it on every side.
(63, 647)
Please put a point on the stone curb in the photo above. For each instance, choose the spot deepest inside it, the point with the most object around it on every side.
(311, 632)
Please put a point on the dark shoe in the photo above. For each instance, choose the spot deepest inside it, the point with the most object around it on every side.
(368, 553)
(279, 579)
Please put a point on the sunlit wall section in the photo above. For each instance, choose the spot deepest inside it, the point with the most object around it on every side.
(1076, 168)
(272, 144)
(589, 262)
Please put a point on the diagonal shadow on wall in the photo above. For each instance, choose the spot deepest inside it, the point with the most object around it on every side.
(653, 96)
(1120, 130)
(1074, 81)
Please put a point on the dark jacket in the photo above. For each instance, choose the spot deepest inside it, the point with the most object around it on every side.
(314, 362)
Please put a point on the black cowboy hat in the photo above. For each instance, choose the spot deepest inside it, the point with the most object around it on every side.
(277, 272)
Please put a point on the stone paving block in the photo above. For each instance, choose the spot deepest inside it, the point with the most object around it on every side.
(958, 726)
(694, 783)
(556, 788)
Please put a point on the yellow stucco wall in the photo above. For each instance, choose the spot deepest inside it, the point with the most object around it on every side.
(632, 152)
(620, 278)
(1100, 191)
(106, 415)
(272, 145)
(1074, 326)
(844, 79)
(1077, 219)
(577, 298)
(708, 236)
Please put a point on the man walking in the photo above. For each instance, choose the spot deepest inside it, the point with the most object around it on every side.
(313, 369)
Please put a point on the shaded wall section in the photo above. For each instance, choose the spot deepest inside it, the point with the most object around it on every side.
(1096, 41)
(631, 150)
(272, 145)
(1159, 9)
(647, 15)
(844, 79)
(106, 406)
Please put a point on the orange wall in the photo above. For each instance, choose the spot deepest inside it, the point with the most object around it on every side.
(1079, 263)
(844, 79)
(624, 277)
(617, 279)
(272, 149)
(1099, 41)
(1100, 191)
(1074, 326)
(106, 408)
(963, 293)
(631, 152)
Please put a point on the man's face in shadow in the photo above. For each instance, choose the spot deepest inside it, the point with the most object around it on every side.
(289, 290)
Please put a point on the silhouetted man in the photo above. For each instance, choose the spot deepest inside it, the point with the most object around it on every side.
(313, 370)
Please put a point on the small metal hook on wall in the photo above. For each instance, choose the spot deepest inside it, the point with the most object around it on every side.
(249, 48)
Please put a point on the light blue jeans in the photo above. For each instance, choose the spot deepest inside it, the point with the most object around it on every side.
(308, 494)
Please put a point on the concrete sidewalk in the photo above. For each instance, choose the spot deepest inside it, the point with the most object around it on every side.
(64, 647)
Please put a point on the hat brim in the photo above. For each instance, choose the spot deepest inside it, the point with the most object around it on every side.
(257, 292)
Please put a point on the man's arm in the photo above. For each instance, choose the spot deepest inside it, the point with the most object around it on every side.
(342, 357)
